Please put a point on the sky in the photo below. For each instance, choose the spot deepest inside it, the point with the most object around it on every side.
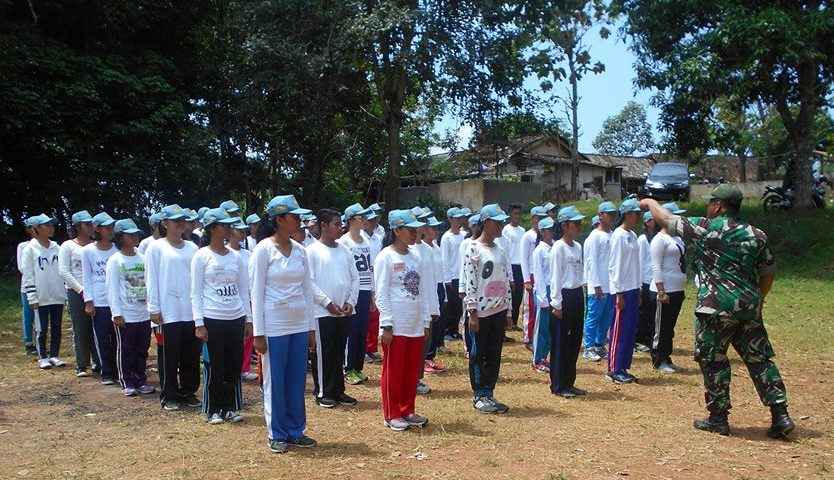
(600, 95)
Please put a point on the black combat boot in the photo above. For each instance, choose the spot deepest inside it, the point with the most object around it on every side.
(715, 423)
(781, 424)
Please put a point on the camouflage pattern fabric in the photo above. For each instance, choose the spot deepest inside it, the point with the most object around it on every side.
(729, 257)
(747, 334)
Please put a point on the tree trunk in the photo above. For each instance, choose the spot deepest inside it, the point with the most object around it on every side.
(392, 179)
(742, 164)
(800, 130)
(574, 110)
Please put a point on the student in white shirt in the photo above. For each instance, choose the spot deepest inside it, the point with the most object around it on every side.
(69, 264)
(283, 295)
(567, 299)
(423, 248)
(28, 315)
(153, 221)
(333, 271)
(253, 222)
(541, 270)
(648, 304)
(472, 235)
(403, 319)
(237, 240)
(668, 283)
(44, 289)
(600, 306)
(450, 252)
(370, 224)
(624, 278)
(528, 243)
(94, 258)
(363, 252)
(488, 301)
(436, 258)
(126, 294)
(168, 280)
(222, 316)
(512, 234)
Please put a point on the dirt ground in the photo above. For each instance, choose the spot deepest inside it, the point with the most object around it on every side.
(56, 426)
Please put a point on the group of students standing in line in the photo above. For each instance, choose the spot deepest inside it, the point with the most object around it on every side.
(322, 291)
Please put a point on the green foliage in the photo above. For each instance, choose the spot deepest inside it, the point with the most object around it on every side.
(625, 133)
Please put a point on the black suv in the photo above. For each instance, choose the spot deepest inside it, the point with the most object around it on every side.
(668, 181)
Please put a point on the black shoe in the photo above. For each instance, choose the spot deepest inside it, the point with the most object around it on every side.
(192, 401)
(277, 446)
(578, 391)
(96, 369)
(500, 408)
(302, 442)
(30, 350)
(325, 402)
(347, 400)
(630, 377)
(618, 378)
(566, 393)
(781, 424)
(714, 423)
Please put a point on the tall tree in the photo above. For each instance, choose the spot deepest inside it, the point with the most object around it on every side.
(625, 133)
(777, 53)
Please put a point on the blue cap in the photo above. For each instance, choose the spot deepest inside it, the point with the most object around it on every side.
(230, 206)
(202, 211)
(475, 220)
(569, 214)
(284, 204)
(455, 212)
(126, 225)
(647, 216)
(629, 205)
(607, 207)
(425, 214)
(375, 207)
(372, 214)
(240, 226)
(674, 208)
(38, 220)
(465, 212)
(355, 210)
(155, 218)
(546, 223)
(219, 215)
(493, 212)
(433, 222)
(103, 219)
(254, 218)
(172, 212)
(549, 206)
(81, 217)
(191, 215)
(594, 221)
(403, 218)
(308, 218)
(538, 211)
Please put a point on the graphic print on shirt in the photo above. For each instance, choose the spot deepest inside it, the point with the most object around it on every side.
(42, 261)
(409, 278)
(227, 278)
(362, 258)
(134, 275)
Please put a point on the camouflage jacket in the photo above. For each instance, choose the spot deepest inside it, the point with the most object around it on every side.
(729, 257)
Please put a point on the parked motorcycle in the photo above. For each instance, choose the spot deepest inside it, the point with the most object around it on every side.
(780, 198)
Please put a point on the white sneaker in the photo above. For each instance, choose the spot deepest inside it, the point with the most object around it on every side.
(665, 367)
(215, 419)
(397, 424)
(107, 381)
(130, 392)
(56, 362)
(423, 388)
(591, 356)
(234, 417)
(416, 420)
(82, 373)
(249, 376)
(44, 364)
(146, 389)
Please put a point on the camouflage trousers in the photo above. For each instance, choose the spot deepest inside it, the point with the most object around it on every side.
(746, 332)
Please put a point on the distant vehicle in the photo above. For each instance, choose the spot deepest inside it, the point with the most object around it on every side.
(668, 181)
(779, 198)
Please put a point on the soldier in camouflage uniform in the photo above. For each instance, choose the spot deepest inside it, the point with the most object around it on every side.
(734, 269)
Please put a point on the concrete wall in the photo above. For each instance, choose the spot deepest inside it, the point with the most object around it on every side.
(474, 193)
(749, 189)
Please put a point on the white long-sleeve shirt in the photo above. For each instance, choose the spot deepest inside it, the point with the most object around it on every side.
(597, 248)
(487, 287)
(400, 298)
(20, 247)
(541, 270)
(363, 254)
(624, 266)
(94, 268)
(450, 252)
(219, 286)
(666, 252)
(125, 283)
(70, 265)
(145, 243)
(512, 236)
(430, 276)
(333, 270)
(528, 244)
(42, 282)
(645, 259)
(565, 270)
(168, 279)
(283, 291)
